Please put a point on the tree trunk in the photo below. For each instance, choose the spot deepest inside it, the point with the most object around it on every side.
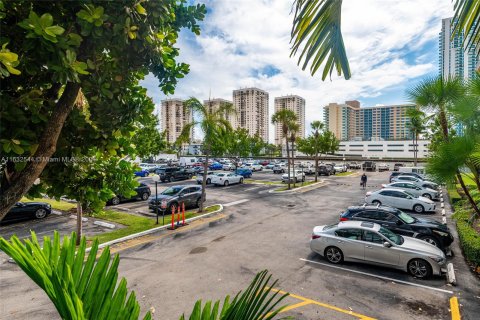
(414, 154)
(288, 161)
(293, 165)
(467, 193)
(47, 144)
(316, 167)
(79, 222)
(444, 124)
(204, 180)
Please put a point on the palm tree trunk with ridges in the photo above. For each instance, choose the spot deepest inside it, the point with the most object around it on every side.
(288, 161)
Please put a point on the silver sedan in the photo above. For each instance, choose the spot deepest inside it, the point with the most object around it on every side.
(370, 243)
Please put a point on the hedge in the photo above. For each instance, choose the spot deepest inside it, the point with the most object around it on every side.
(469, 238)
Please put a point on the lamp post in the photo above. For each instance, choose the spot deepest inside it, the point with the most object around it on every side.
(156, 178)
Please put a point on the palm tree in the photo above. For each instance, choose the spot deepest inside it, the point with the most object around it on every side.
(416, 126)
(285, 118)
(317, 30)
(438, 95)
(211, 123)
(317, 127)
(293, 128)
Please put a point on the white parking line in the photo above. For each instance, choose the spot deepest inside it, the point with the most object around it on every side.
(235, 202)
(250, 189)
(379, 277)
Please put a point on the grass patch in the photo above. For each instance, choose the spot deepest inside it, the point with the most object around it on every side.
(298, 185)
(134, 224)
(56, 205)
(263, 182)
(343, 174)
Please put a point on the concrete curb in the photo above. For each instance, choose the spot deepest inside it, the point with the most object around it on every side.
(451, 274)
(72, 216)
(317, 184)
(153, 230)
(104, 224)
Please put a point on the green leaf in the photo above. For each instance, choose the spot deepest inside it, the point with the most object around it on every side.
(46, 20)
(140, 9)
(54, 30)
(17, 149)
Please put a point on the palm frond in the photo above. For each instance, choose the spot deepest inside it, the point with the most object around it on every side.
(79, 287)
(434, 93)
(317, 30)
(467, 19)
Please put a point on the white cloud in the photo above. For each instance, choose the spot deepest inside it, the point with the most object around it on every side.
(240, 38)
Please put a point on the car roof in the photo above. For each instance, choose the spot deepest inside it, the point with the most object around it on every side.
(370, 207)
(390, 189)
(359, 224)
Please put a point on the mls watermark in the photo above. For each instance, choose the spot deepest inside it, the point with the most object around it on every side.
(48, 159)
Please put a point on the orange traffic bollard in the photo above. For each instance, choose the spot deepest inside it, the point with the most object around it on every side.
(183, 214)
(173, 218)
(178, 216)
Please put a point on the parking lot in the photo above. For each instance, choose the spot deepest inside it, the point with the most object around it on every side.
(263, 230)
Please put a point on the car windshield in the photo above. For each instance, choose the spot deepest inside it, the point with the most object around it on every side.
(220, 174)
(391, 236)
(410, 194)
(406, 218)
(172, 191)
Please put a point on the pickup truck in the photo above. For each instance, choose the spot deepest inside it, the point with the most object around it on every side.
(369, 166)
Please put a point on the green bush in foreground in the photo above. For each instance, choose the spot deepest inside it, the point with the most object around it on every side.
(469, 237)
(82, 287)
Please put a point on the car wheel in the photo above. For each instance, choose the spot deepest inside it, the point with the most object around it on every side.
(334, 255)
(241, 180)
(209, 181)
(145, 196)
(427, 195)
(40, 213)
(418, 208)
(419, 268)
(376, 203)
(432, 240)
(171, 179)
(116, 201)
(225, 183)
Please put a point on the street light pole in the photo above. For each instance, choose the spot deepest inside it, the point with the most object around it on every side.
(156, 178)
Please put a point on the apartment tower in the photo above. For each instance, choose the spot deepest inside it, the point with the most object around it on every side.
(297, 105)
(350, 122)
(174, 116)
(214, 104)
(251, 105)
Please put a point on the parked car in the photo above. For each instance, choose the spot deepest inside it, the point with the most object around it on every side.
(397, 166)
(215, 166)
(383, 167)
(226, 178)
(400, 199)
(412, 174)
(394, 174)
(142, 173)
(210, 174)
(368, 242)
(150, 167)
(176, 195)
(325, 169)
(244, 172)
(355, 165)
(142, 193)
(26, 211)
(228, 166)
(295, 175)
(270, 165)
(254, 166)
(402, 223)
(340, 168)
(263, 162)
(369, 166)
(414, 189)
(280, 168)
(417, 181)
(174, 173)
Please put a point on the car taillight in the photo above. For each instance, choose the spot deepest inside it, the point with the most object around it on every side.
(315, 236)
(343, 219)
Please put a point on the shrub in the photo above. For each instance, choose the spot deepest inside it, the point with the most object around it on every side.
(468, 236)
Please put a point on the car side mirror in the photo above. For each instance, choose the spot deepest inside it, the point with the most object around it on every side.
(399, 223)
(387, 244)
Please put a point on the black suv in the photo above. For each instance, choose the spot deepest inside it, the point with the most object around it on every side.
(143, 192)
(401, 223)
(174, 173)
(369, 166)
(325, 169)
(174, 196)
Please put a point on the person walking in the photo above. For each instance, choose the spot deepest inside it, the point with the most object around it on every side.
(363, 181)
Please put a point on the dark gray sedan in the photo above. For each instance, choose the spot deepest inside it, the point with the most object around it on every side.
(368, 242)
(175, 196)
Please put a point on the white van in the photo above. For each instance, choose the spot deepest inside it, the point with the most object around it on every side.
(188, 161)
(419, 170)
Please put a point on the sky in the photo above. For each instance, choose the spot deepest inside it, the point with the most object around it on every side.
(390, 44)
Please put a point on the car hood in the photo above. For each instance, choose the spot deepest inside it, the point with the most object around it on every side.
(32, 204)
(426, 200)
(430, 223)
(161, 197)
(421, 246)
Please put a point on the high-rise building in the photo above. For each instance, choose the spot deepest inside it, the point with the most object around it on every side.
(174, 116)
(455, 60)
(297, 105)
(213, 104)
(350, 122)
(251, 105)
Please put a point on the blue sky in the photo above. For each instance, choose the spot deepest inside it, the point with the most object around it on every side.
(391, 45)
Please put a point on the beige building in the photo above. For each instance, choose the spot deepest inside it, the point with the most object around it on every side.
(174, 116)
(251, 105)
(297, 105)
(213, 104)
(350, 122)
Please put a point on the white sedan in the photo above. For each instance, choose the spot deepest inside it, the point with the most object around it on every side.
(416, 181)
(413, 189)
(228, 166)
(340, 168)
(224, 179)
(295, 175)
(400, 199)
